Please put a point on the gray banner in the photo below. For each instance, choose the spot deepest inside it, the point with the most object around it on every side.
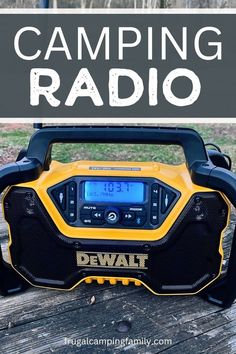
(205, 88)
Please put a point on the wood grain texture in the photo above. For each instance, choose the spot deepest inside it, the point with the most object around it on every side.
(121, 3)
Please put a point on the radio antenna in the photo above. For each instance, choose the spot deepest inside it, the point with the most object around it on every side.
(43, 4)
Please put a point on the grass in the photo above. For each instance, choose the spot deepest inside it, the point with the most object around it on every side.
(12, 139)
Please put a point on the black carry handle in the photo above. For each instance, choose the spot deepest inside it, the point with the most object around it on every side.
(42, 141)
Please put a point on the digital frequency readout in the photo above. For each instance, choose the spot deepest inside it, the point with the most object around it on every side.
(114, 191)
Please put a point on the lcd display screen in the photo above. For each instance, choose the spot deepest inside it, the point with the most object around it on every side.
(114, 191)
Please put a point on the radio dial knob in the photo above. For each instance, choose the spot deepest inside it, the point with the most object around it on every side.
(112, 215)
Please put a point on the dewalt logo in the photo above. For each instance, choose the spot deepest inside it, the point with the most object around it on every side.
(111, 260)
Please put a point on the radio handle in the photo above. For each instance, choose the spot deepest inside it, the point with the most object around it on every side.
(41, 142)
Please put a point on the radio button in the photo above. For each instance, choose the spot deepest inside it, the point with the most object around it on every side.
(60, 196)
(86, 220)
(90, 221)
(71, 202)
(154, 205)
(154, 219)
(86, 209)
(112, 216)
(140, 220)
(72, 189)
(155, 191)
(97, 214)
(128, 215)
(71, 215)
(167, 198)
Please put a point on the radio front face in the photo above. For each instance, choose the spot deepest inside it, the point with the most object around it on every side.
(137, 225)
(113, 202)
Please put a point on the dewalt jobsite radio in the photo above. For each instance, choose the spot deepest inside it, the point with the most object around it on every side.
(153, 224)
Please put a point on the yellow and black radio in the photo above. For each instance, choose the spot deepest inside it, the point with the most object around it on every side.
(144, 222)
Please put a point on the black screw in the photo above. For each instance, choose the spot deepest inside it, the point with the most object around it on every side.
(147, 247)
(197, 199)
(29, 195)
(77, 245)
(223, 213)
(6, 205)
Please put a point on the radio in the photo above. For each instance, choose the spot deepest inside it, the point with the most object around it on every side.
(152, 224)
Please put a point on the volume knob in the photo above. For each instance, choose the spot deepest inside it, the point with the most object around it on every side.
(112, 215)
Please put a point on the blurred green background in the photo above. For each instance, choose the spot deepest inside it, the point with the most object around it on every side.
(15, 136)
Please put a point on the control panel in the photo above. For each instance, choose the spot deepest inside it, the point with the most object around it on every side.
(114, 202)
